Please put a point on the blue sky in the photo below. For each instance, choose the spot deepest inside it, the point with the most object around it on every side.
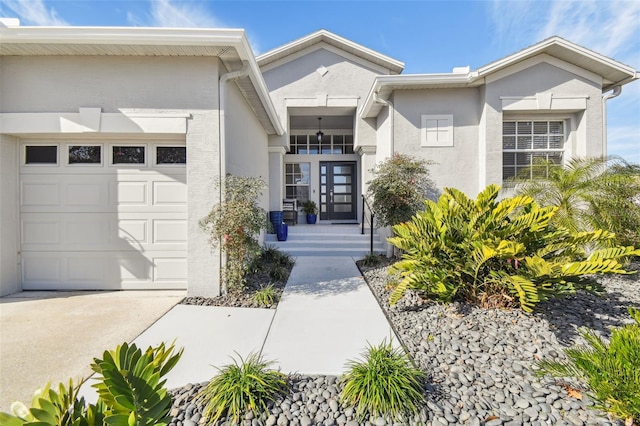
(428, 36)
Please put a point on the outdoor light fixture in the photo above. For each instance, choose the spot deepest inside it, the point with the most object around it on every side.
(319, 135)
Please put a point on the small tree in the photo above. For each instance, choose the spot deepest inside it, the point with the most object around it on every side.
(399, 187)
(234, 225)
(591, 193)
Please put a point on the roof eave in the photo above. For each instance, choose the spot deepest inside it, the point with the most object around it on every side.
(280, 52)
(232, 38)
(383, 85)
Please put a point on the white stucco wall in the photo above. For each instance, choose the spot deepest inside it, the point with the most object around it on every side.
(457, 165)
(9, 247)
(62, 83)
(585, 140)
(149, 85)
(246, 141)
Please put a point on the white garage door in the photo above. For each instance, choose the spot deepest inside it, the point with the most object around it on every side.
(109, 215)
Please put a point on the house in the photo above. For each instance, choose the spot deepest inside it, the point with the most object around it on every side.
(112, 139)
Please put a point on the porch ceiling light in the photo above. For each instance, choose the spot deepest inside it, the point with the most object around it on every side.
(319, 135)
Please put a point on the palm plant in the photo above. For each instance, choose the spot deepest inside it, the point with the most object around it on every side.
(591, 193)
(611, 370)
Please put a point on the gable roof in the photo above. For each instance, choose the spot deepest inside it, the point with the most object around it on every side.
(229, 45)
(323, 36)
(613, 73)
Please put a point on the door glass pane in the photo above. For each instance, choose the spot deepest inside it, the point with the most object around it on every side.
(41, 154)
(323, 169)
(128, 155)
(83, 154)
(342, 170)
(342, 198)
(342, 189)
(342, 179)
(323, 189)
(342, 208)
(171, 155)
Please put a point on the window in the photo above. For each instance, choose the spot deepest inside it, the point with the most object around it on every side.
(128, 155)
(171, 155)
(296, 181)
(331, 144)
(526, 143)
(437, 130)
(85, 154)
(41, 154)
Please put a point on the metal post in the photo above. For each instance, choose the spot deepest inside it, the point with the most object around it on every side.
(364, 204)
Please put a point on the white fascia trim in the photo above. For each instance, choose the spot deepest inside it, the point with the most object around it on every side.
(540, 47)
(91, 120)
(383, 85)
(322, 34)
(124, 35)
(544, 58)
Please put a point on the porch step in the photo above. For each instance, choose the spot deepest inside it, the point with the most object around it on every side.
(327, 240)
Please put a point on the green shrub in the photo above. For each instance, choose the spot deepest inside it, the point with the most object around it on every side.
(384, 383)
(273, 262)
(129, 393)
(266, 296)
(371, 259)
(234, 225)
(610, 370)
(591, 193)
(399, 185)
(244, 385)
(498, 252)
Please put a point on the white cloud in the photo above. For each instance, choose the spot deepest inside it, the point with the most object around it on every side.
(172, 13)
(625, 142)
(610, 28)
(34, 12)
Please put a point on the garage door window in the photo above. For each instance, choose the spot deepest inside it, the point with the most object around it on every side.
(128, 155)
(85, 154)
(171, 155)
(41, 154)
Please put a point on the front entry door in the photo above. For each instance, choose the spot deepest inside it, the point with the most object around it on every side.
(338, 199)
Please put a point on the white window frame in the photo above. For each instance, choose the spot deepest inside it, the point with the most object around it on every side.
(308, 185)
(566, 130)
(24, 154)
(436, 130)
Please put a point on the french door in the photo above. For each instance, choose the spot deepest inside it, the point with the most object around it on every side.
(338, 198)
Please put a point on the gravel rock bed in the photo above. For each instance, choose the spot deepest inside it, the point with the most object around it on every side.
(244, 297)
(480, 363)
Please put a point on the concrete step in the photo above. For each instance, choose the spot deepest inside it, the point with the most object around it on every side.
(327, 240)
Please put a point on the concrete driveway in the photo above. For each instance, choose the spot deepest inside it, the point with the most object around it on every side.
(52, 336)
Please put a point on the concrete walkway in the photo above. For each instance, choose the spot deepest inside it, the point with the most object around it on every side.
(327, 315)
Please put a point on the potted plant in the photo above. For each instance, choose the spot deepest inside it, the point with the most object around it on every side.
(311, 210)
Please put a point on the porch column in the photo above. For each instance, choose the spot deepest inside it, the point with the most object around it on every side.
(9, 244)
(276, 176)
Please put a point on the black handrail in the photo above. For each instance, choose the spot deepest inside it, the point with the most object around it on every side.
(370, 220)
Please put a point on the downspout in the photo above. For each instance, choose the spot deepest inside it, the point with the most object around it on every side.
(388, 103)
(222, 140)
(616, 92)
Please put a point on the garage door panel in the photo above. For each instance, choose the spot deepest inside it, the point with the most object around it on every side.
(170, 269)
(103, 231)
(107, 227)
(39, 194)
(106, 271)
(169, 193)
